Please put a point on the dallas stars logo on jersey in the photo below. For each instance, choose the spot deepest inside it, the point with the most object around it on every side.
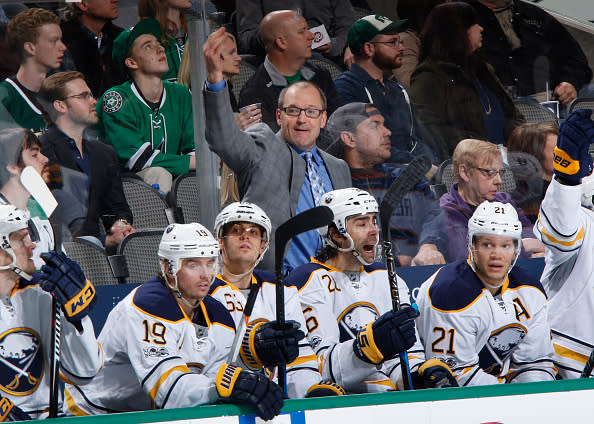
(21, 361)
(112, 102)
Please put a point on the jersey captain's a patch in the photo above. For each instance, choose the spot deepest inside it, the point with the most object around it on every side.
(21, 361)
(112, 102)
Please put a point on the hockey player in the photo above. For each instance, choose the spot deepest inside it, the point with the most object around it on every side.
(25, 321)
(243, 231)
(166, 343)
(147, 121)
(567, 230)
(345, 297)
(484, 317)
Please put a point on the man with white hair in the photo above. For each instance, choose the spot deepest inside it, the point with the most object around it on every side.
(166, 343)
(484, 317)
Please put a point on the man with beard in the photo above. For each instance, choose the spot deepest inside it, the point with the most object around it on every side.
(71, 106)
(377, 50)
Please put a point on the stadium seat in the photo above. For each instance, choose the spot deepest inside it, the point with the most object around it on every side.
(149, 209)
(95, 263)
(184, 195)
(246, 71)
(535, 112)
(584, 103)
(361, 12)
(327, 64)
(140, 250)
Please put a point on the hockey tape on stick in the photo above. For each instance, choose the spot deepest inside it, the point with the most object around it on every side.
(407, 179)
(38, 189)
(305, 221)
(589, 366)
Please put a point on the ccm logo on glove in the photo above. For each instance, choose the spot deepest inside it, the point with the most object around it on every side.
(80, 302)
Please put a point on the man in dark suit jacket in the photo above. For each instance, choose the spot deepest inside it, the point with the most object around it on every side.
(71, 105)
(271, 168)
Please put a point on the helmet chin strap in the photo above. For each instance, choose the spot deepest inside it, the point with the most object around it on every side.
(355, 252)
(175, 288)
(13, 267)
(243, 274)
(492, 286)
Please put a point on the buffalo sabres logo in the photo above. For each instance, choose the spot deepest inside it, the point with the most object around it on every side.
(500, 345)
(21, 361)
(112, 102)
(354, 318)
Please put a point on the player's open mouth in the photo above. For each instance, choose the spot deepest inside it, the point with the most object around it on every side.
(369, 248)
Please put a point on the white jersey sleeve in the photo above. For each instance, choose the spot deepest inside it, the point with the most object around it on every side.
(81, 356)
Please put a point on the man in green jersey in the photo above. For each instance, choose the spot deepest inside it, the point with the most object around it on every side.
(35, 35)
(148, 121)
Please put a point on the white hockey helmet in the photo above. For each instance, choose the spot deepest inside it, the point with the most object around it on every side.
(495, 218)
(346, 203)
(11, 220)
(588, 191)
(243, 212)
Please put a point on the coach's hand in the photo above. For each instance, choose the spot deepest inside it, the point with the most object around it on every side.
(213, 55)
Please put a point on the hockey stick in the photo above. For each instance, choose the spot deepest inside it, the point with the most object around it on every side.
(305, 221)
(247, 311)
(37, 188)
(589, 366)
(417, 168)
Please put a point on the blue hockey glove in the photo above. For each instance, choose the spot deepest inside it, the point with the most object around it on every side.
(325, 388)
(572, 161)
(248, 388)
(392, 333)
(63, 278)
(434, 374)
(265, 345)
(10, 412)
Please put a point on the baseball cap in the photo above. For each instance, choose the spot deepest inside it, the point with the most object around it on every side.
(345, 118)
(369, 26)
(122, 43)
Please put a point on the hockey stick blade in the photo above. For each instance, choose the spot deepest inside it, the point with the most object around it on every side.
(407, 179)
(37, 188)
(305, 221)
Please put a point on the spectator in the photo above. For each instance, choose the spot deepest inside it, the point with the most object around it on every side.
(483, 316)
(473, 102)
(529, 48)
(243, 231)
(148, 121)
(288, 45)
(36, 36)
(26, 307)
(347, 294)
(172, 17)
(539, 140)
(336, 15)
(88, 32)
(566, 230)
(266, 163)
(477, 170)
(189, 332)
(375, 43)
(416, 226)
(71, 106)
(415, 12)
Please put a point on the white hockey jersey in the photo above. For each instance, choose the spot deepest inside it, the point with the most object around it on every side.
(25, 342)
(155, 357)
(486, 339)
(568, 277)
(301, 373)
(335, 309)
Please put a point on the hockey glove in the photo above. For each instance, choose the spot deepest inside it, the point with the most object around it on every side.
(64, 279)
(572, 161)
(265, 345)
(10, 412)
(248, 388)
(325, 388)
(392, 333)
(434, 374)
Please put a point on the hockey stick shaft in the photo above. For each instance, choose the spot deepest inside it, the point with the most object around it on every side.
(305, 221)
(392, 198)
(247, 311)
(37, 188)
(589, 366)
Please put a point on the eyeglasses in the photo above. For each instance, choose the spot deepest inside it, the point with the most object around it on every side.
(238, 230)
(87, 95)
(393, 43)
(491, 173)
(296, 111)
